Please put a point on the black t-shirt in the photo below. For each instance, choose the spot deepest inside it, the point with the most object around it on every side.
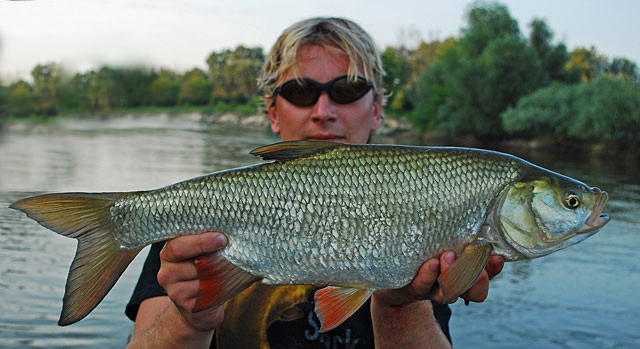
(302, 331)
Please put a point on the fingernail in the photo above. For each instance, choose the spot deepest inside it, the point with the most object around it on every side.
(449, 257)
(220, 240)
(434, 266)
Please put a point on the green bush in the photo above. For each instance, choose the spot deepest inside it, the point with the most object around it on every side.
(548, 112)
(603, 109)
(610, 110)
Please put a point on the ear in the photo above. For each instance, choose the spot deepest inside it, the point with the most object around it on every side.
(273, 117)
(377, 116)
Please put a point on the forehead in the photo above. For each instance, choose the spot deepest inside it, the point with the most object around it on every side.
(321, 63)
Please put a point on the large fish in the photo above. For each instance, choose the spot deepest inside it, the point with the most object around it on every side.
(359, 218)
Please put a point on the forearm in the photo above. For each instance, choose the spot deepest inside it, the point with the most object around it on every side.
(170, 330)
(408, 326)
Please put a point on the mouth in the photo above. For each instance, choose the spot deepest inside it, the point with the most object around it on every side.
(326, 138)
(597, 219)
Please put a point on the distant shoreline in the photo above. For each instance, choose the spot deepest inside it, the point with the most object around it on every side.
(393, 129)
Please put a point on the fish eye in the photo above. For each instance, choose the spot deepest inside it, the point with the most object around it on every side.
(572, 200)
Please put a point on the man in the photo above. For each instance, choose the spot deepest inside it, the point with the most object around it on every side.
(339, 100)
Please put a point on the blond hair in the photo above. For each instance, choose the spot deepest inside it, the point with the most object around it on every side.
(323, 31)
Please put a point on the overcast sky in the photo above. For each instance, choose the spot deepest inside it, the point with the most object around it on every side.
(180, 34)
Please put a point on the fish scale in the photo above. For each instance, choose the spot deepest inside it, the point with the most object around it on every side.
(270, 235)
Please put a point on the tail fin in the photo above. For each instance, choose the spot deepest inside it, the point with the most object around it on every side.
(99, 260)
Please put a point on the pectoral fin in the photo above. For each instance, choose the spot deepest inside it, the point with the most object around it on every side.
(219, 281)
(461, 275)
(334, 305)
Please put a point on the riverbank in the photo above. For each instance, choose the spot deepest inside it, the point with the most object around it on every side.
(394, 129)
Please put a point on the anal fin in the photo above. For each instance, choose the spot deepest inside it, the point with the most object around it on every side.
(461, 275)
(219, 281)
(333, 305)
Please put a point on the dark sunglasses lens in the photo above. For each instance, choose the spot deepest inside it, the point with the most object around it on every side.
(299, 93)
(348, 91)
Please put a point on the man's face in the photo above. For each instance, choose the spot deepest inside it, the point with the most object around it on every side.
(326, 119)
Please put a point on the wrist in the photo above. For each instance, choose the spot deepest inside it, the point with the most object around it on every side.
(391, 298)
(172, 330)
(189, 324)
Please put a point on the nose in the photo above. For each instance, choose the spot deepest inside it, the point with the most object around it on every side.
(324, 110)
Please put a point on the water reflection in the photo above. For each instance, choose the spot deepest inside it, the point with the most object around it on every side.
(580, 297)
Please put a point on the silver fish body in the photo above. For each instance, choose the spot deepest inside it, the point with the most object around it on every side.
(360, 217)
(356, 215)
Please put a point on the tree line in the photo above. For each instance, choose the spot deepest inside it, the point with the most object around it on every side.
(491, 81)
(230, 78)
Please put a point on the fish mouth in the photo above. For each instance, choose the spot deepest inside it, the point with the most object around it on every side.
(597, 219)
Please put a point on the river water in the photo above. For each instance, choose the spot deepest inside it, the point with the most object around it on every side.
(583, 297)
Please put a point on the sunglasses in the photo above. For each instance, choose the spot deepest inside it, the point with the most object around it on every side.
(341, 90)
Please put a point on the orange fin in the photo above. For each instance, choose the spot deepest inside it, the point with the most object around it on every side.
(336, 304)
(219, 281)
(99, 259)
(289, 150)
(461, 275)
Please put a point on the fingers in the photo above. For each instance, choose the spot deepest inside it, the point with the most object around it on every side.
(190, 246)
(446, 259)
(480, 289)
(425, 279)
(179, 277)
(495, 265)
(183, 292)
(420, 287)
(178, 274)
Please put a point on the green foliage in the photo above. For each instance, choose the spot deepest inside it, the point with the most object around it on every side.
(195, 88)
(110, 88)
(233, 74)
(46, 82)
(553, 58)
(611, 111)
(511, 69)
(549, 112)
(624, 68)
(487, 21)
(396, 68)
(20, 99)
(589, 64)
(603, 109)
(478, 77)
(3, 104)
(163, 90)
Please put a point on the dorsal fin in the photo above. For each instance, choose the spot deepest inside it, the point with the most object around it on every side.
(289, 150)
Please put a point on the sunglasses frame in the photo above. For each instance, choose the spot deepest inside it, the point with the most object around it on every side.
(322, 87)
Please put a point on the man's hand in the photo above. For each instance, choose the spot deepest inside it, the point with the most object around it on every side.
(425, 285)
(403, 318)
(179, 277)
(167, 322)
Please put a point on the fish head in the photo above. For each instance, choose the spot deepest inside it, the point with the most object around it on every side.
(549, 213)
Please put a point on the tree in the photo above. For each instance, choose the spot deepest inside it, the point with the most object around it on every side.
(553, 58)
(46, 80)
(195, 88)
(624, 68)
(233, 74)
(3, 104)
(20, 99)
(487, 21)
(586, 62)
(475, 79)
(605, 108)
(164, 89)
(396, 67)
